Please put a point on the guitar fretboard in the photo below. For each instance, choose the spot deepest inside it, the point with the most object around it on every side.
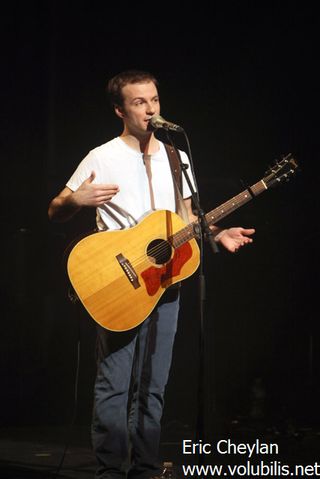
(190, 231)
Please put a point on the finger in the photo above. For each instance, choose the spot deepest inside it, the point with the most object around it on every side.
(248, 231)
(245, 241)
(91, 177)
(101, 189)
(104, 187)
(102, 198)
(106, 192)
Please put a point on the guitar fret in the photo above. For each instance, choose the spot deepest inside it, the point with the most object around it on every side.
(258, 187)
(182, 236)
(234, 203)
(213, 216)
(228, 206)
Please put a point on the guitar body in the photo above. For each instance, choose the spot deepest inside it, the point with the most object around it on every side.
(119, 276)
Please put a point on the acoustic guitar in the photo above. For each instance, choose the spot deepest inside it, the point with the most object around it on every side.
(119, 276)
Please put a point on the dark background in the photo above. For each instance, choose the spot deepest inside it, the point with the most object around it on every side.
(241, 77)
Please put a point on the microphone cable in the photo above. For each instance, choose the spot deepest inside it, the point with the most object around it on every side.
(57, 471)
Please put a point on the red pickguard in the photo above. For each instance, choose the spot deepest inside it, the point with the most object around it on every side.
(155, 277)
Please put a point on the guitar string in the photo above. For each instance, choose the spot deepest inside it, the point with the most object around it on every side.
(180, 235)
(173, 241)
(235, 202)
(157, 251)
(213, 216)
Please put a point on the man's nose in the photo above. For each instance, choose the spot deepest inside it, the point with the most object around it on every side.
(151, 108)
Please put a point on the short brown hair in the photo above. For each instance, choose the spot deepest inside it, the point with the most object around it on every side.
(115, 84)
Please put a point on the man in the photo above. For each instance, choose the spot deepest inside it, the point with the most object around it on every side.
(123, 179)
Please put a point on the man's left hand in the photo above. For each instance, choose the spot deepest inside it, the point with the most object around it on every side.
(233, 238)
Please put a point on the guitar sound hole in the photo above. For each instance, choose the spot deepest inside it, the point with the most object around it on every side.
(159, 251)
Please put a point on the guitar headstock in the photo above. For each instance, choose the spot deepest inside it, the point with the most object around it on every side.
(282, 170)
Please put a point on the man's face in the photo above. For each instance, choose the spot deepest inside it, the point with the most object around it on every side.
(140, 103)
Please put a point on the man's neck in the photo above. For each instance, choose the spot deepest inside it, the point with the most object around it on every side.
(147, 145)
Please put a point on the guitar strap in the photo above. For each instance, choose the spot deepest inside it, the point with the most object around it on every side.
(121, 211)
(173, 156)
(174, 165)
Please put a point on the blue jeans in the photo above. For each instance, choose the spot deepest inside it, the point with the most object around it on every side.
(133, 370)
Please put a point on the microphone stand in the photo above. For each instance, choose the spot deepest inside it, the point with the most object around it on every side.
(204, 231)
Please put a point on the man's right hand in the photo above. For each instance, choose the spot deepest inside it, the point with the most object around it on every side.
(68, 202)
(91, 194)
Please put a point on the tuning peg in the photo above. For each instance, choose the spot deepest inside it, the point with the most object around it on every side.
(286, 157)
(274, 168)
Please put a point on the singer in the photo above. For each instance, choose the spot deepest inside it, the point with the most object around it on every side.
(123, 179)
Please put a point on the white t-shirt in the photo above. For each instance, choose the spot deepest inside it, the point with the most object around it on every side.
(116, 163)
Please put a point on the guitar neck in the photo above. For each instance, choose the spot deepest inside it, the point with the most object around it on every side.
(222, 211)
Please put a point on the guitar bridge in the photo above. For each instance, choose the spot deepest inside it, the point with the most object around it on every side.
(129, 270)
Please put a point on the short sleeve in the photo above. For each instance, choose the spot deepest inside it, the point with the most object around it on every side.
(83, 171)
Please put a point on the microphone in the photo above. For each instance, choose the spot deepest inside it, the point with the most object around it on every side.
(156, 121)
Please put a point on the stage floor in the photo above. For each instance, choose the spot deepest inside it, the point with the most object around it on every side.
(36, 452)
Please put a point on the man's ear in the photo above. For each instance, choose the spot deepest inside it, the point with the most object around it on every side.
(119, 111)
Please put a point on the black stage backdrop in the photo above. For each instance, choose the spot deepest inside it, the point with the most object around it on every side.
(242, 80)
